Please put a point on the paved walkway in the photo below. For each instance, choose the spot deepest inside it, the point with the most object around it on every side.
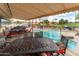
(71, 53)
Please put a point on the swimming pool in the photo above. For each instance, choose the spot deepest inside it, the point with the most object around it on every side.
(71, 45)
(54, 35)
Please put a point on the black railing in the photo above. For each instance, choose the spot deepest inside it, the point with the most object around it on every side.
(65, 40)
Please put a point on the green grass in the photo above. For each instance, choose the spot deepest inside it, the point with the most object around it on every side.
(68, 24)
(62, 25)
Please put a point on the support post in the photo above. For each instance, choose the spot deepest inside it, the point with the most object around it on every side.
(0, 23)
(32, 29)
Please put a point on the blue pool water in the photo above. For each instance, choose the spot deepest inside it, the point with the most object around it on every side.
(72, 45)
(52, 34)
(55, 35)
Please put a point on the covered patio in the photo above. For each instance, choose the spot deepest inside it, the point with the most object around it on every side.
(32, 11)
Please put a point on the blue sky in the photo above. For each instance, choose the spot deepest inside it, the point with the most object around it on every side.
(70, 16)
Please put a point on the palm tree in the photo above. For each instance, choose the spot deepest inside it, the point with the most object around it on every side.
(65, 21)
(46, 22)
(61, 21)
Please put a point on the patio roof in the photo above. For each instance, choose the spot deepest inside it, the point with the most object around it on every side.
(34, 10)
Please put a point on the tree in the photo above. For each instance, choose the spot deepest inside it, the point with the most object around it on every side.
(65, 21)
(77, 16)
(19, 22)
(61, 21)
(54, 21)
(46, 21)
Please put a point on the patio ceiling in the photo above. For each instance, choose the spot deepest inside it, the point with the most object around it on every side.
(34, 10)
